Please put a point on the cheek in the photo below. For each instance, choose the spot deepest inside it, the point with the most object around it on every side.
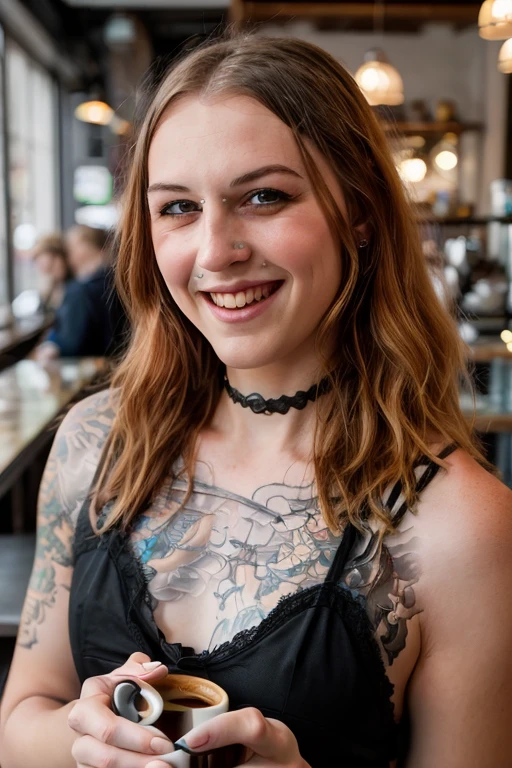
(175, 263)
(307, 249)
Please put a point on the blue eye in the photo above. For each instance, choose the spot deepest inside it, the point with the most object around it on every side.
(179, 208)
(268, 197)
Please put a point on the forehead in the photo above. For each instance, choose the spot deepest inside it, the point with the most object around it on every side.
(199, 135)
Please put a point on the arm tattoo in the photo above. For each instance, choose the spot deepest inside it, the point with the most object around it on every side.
(64, 487)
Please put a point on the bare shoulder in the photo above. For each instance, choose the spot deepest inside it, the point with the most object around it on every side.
(464, 530)
(76, 451)
(465, 510)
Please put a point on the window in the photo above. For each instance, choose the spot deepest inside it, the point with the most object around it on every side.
(33, 162)
(4, 283)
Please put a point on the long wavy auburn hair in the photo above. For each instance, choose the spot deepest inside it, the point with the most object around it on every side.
(397, 362)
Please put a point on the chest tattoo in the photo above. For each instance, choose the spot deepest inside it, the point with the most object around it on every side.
(242, 555)
(246, 553)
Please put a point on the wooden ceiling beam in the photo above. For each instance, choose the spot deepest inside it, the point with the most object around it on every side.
(245, 10)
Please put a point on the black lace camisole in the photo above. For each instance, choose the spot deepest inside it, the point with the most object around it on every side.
(312, 663)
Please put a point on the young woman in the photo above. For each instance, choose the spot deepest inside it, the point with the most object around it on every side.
(285, 496)
(51, 258)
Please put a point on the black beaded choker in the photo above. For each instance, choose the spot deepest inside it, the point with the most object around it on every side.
(282, 404)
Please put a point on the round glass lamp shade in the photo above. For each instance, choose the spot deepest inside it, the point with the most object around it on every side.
(412, 169)
(444, 156)
(97, 112)
(380, 81)
(495, 19)
(505, 57)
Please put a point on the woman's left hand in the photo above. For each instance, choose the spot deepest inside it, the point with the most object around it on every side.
(269, 743)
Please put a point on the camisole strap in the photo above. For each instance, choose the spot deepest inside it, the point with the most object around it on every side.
(346, 544)
(350, 534)
(426, 478)
(434, 468)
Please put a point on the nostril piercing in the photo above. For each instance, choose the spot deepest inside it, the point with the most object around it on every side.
(239, 246)
(202, 202)
(200, 276)
(264, 264)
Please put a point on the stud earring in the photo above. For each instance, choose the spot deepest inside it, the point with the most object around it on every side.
(363, 243)
(239, 246)
(200, 276)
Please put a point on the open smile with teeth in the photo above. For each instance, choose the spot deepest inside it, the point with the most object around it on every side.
(243, 298)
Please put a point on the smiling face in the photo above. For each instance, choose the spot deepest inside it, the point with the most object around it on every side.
(270, 265)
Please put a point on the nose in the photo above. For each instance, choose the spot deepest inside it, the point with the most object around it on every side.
(220, 243)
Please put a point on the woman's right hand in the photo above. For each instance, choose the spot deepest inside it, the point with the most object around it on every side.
(103, 738)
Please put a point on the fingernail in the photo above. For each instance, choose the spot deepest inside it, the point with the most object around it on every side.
(150, 665)
(193, 741)
(161, 746)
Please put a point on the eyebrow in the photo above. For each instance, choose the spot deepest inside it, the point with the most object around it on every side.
(266, 170)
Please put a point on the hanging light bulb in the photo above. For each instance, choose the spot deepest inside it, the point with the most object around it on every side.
(412, 169)
(495, 19)
(446, 160)
(505, 57)
(444, 155)
(379, 80)
(95, 109)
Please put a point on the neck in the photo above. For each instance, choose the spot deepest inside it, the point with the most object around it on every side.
(281, 431)
(89, 268)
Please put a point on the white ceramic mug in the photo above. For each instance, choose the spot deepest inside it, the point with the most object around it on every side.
(174, 706)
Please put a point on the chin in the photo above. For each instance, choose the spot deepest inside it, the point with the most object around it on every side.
(246, 356)
(245, 362)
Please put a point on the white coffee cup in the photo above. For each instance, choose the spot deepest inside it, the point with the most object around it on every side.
(174, 706)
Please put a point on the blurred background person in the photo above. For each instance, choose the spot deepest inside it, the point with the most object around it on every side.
(90, 320)
(51, 258)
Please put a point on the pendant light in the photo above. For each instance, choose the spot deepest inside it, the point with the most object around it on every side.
(444, 156)
(95, 109)
(378, 79)
(505, 57)
(412, 169)
(495, 19)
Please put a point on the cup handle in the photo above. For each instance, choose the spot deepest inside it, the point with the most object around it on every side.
(126, 702)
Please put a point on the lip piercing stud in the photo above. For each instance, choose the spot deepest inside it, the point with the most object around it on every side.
(363, 243)
(239, 246)
(200, 276)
